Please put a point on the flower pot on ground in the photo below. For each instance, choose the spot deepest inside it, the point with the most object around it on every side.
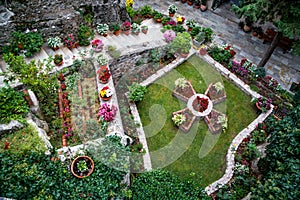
(190, 23)
(199, 40)
(102, 29)
(158, 16)
(116, 28)
(102, 59)
(58, 59)
(54, 42)
(197, 4)
(107, 112)
(180, 19)
(190, 2)
(203, 6)
(106, 93)
(97, 45)
(181, 43)
(104, 74)
(82, 166)
(172, 9)
(144, 29)
(126, 26)
(136, 29)
(146, 11)
(263, 103)
(169, 35)
(69, 41)
(183, 1)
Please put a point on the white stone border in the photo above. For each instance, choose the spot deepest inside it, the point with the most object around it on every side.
(196, 113)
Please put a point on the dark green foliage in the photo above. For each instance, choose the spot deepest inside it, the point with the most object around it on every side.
(12, 105)
(35, 176)
(219, 55)
(136, 92)
(146, 11)
(281, 166)
(85, 35)
(296, 98)
(260, 72)
(163, 185)
(178, 28)
(29, 43)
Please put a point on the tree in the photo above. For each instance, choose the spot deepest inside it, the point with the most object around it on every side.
(284, 14)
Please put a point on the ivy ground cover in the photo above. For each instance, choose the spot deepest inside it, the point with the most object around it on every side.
(197, 152)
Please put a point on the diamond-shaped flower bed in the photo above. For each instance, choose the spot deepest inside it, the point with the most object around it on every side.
(184, 93)
(215, 121)
(216, 93)
(189, 119)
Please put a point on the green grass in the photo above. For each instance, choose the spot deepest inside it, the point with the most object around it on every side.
(23, 141)
(197, 151)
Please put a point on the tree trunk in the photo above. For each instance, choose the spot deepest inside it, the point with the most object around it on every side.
(270, 50)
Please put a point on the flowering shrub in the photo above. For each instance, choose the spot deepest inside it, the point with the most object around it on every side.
(237, 68)
(69, 41)
(126, 26)
(181, 82)
(171, 22)
(178, 119)
(263, 103)
(107, 112)
(97, 44)
(180, 19)
(104, 74)
(271, 83)
(106, 92)
(200, 104)
(169, 35)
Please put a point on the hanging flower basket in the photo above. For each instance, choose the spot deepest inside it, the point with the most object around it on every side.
(82, 166)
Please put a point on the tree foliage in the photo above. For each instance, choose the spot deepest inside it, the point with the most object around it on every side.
(160, 184)
(281, 166)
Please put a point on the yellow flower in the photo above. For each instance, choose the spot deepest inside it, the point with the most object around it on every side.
(102, 93)
(129, 2)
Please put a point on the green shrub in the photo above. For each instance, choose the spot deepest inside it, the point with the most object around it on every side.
(85, 35)
(12, 105)
(27, 43)
(137, 92)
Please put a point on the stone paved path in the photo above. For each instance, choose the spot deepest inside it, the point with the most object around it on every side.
(283, 67)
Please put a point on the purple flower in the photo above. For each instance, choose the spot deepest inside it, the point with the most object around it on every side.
(169, 35)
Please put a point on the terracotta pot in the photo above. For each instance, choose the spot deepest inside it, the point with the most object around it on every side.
(104, 35)
(196, 6)
(106, 99)
(190, 28)
(145, 31)
(103, 81)
(184, 55)
(202, 51)
(158, 20)
(257, 106)
(64, 141)
(171, 14)
(90, 166)
(247, 28)
(55, 48)
(127, 32)
(203, 8)
(118, 32)
(60, 63)
(183, 1)
(190, 3)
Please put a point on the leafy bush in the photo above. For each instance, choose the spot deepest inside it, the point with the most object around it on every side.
(35, 176)
(13, 105)
(160, 184)
(85, 34)
(27, 43)
(137, 92)
(219, 55)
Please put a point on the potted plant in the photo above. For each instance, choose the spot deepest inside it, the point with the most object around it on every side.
(180, 19)
(262, 103)
(82, 166)
(107, 112)
(58, 59)
(103, 74)
(146, 11)
(190, 23)
(137, 92)
(116, 28)
(102, 29)
(178, 119)
(190, 2)
(102, 59)
(172, 10)
(85, 34)
(169, 35)
(197, 4)
(136, 28)
(54, 42)
(126, 26)
(182, 44)
(97, 45)
(158, 17)
(69, 41)
(203, 6)
(106, 93)
(144, 29)
(199, 40)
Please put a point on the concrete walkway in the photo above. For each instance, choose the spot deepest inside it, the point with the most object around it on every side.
(283, 67)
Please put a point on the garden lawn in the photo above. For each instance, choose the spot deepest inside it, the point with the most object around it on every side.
(198, 153)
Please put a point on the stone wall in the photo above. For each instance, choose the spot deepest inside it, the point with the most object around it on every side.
(56, 17)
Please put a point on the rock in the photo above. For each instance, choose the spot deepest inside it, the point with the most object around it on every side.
(9, 128)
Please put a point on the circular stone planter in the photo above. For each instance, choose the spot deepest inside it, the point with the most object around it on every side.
(195, 112)
(82, 173)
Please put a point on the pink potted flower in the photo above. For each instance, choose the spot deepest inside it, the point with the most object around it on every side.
(107, 112)
(97, 45)
(169, 35)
